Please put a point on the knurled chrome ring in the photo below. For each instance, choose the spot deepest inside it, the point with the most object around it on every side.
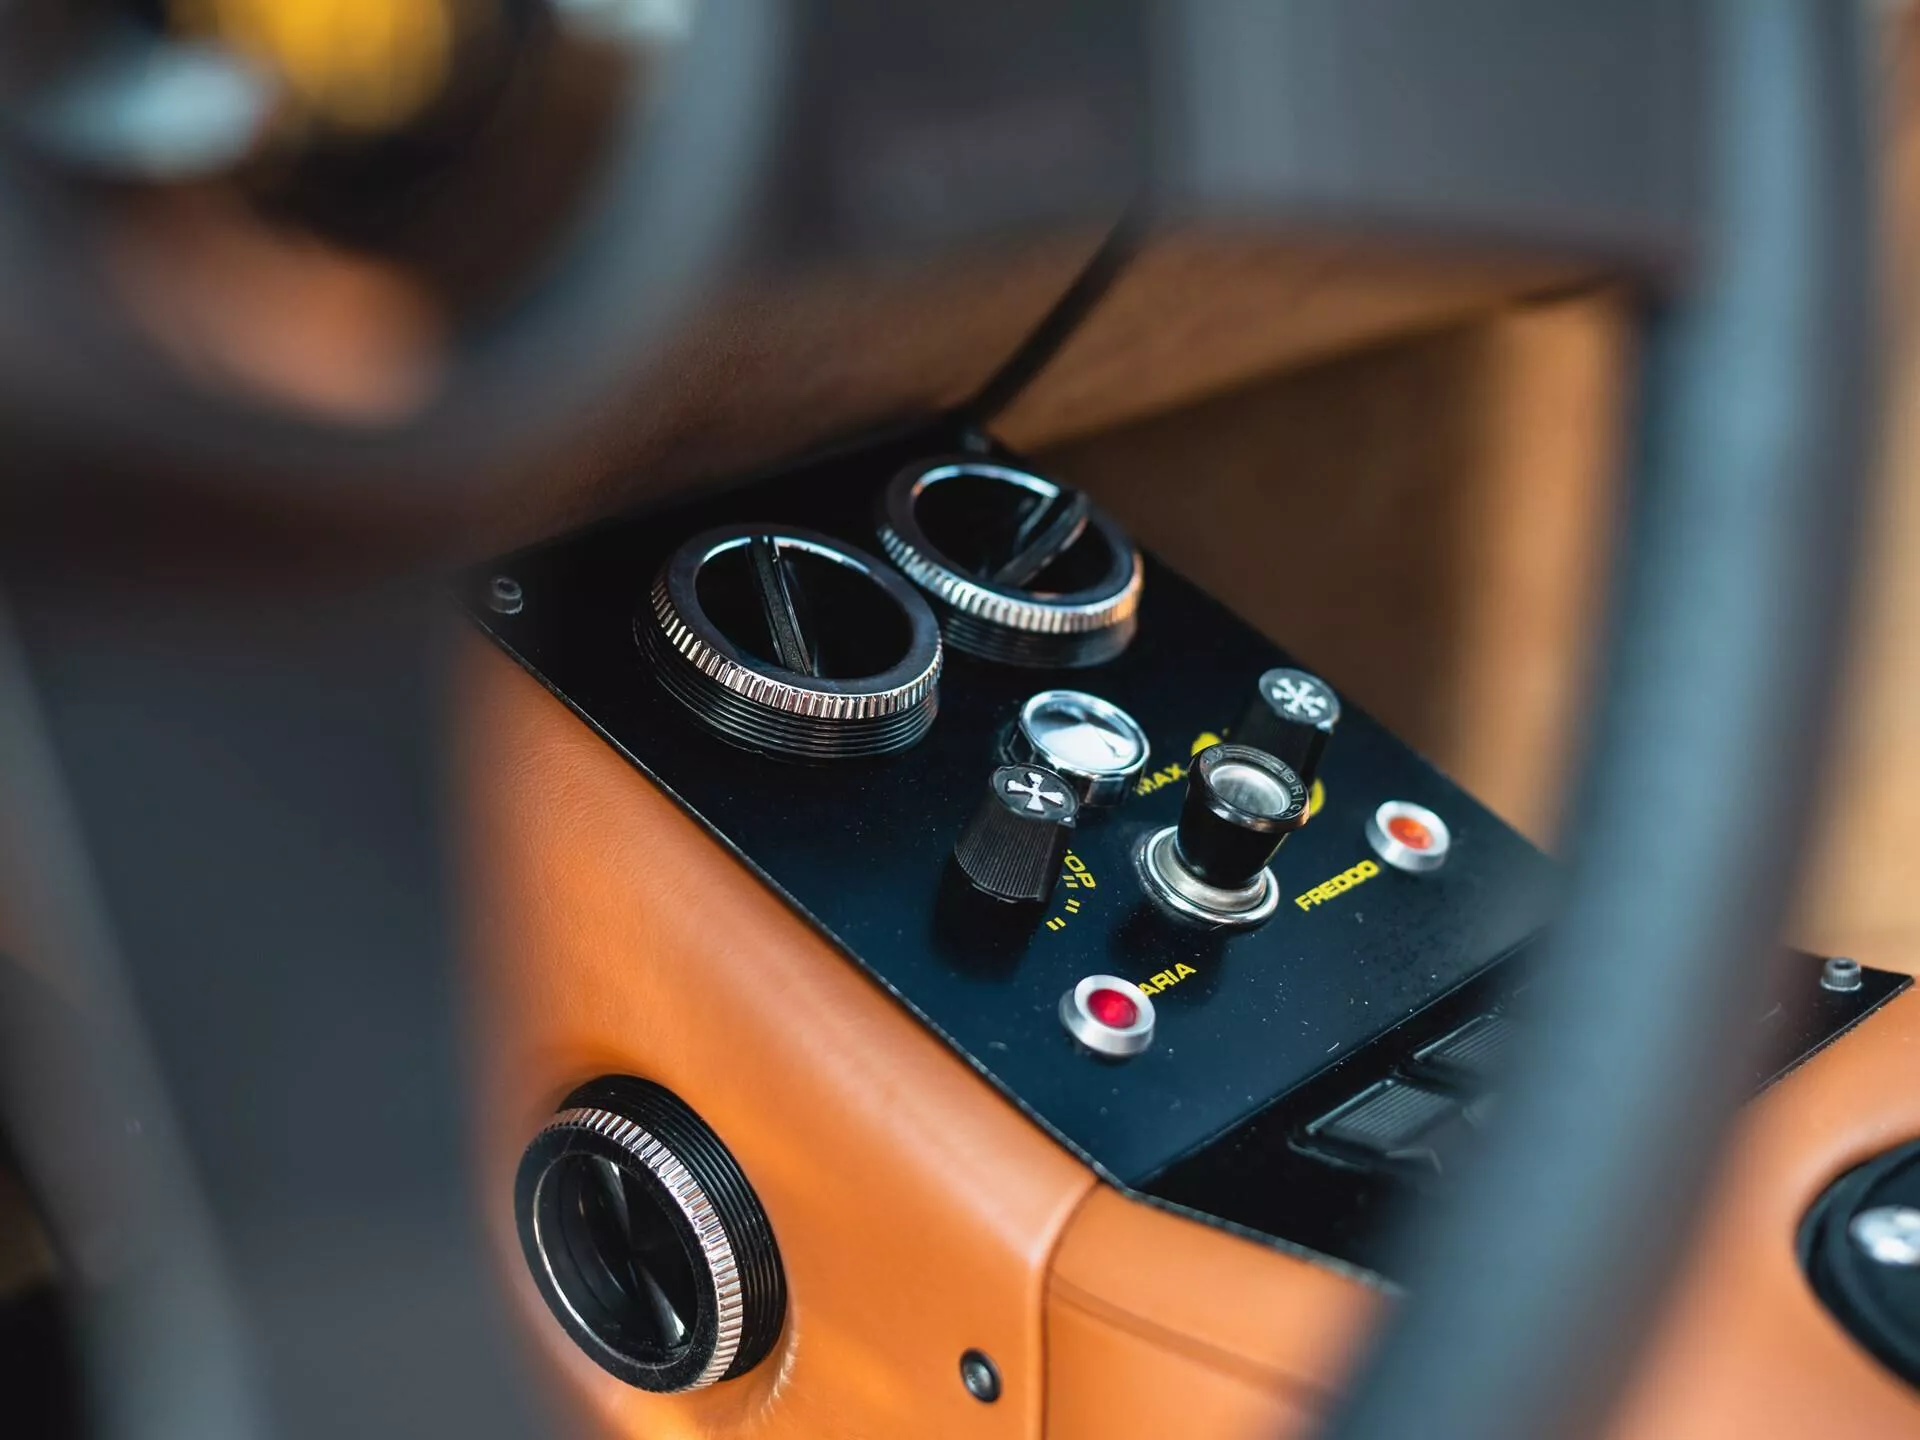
(1109, 604)
(723, 1271)
(763, 705)
(1174, 888)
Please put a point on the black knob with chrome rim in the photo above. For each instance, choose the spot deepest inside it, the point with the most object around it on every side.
(1292, 716)
(1211, 868)
(1013, 846)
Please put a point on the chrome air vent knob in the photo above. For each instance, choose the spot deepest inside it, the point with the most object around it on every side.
(1023, 570)
(791, 643)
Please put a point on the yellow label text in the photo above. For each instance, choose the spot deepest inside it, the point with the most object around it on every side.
(1344, 881)
(1154, 984)
(1160, 779)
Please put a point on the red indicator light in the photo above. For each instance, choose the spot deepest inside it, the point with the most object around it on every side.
(1410, 832)
(1113, 1008)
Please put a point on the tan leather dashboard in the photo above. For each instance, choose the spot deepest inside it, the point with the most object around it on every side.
(915, 1210)
(920, 1215)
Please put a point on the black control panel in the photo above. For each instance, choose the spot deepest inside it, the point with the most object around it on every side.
(1097, 949)
(1336, 1164)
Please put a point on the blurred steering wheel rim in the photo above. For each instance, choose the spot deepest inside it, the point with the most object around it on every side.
(1798, 547)
(681, 170)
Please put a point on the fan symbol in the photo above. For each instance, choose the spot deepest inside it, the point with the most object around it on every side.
(1038, 796)
(1300, 697)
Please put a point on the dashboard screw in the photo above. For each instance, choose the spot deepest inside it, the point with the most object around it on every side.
(505, 595)
(981, 1376)
(1840, 973)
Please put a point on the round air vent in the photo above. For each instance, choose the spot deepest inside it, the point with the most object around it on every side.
(1025, 571)
(646, 1240)
(791, 643)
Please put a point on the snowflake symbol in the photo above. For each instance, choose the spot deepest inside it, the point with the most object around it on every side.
(1300, 697)
(1038, 796)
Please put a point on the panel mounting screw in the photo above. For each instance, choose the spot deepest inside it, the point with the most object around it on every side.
(981, 1376)
(505, 595)
(1840, 973)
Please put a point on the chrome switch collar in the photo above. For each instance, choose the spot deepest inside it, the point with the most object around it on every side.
(1095, 745)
